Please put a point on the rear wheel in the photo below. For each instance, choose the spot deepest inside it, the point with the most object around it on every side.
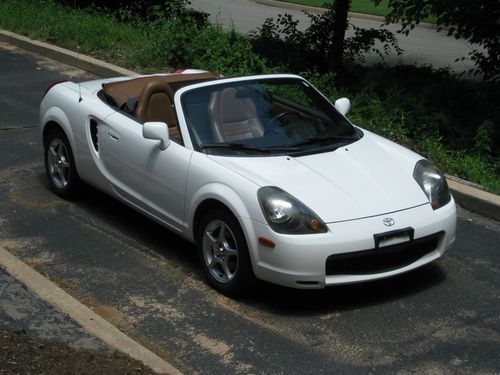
(60, 166)
(224, 253)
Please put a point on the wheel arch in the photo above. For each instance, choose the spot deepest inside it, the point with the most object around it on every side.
(205, 206)
(55, 118)
(50, 126)
(216, 195)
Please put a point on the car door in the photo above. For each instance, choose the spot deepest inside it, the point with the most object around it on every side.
(142, 174)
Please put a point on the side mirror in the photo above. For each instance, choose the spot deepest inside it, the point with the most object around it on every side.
(157, 131)
(343, 105)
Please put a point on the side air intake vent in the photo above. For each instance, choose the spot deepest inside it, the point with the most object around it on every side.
(94, 134)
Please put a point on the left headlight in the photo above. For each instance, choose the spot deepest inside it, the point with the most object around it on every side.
(432, 182)
(286, 214)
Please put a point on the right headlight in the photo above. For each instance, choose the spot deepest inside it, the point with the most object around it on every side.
(432, 182)
(286, 214)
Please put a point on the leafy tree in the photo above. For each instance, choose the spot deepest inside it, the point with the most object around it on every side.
(148, 10)
(323, 44)
(478, 22)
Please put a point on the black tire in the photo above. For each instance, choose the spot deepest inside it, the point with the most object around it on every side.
(239, 278)
(60, 166)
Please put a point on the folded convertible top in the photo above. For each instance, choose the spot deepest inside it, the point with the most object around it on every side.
(122, 91)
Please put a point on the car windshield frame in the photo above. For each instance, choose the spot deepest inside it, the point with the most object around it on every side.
(316, 128)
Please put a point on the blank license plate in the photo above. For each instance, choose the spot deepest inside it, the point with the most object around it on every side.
(404, 237)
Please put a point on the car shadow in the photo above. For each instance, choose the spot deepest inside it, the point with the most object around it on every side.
(122, 219)
(266, 297)
(300, 302)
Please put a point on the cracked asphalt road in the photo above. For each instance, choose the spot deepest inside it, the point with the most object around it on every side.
(444, 318)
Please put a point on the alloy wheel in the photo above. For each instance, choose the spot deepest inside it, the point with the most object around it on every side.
(220, 251)
(58, 163)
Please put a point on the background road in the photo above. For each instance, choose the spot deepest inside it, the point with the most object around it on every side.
(424, 46)
(444, 318)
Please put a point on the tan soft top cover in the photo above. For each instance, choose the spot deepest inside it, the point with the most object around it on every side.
(122, 91)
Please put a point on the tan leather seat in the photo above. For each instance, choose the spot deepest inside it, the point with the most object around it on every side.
(233, 118)
(155, 104)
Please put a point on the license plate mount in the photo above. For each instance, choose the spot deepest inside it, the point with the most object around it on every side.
(393, 237)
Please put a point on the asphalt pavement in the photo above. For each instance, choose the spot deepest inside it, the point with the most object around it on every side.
(22, 310)
(444, 318)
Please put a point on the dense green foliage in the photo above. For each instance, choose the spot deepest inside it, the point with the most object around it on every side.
(182, 42)
(144, 9)
(322, 45)
(451, 121)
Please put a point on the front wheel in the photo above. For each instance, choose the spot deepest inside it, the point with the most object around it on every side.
(60, 166)
(223, 253)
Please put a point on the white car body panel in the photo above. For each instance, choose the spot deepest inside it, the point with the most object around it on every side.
(170, 185)
(142, 174)
(339, 199)
(302, 258)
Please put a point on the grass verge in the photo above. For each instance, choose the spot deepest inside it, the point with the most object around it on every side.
(357, 6)
(452, 122)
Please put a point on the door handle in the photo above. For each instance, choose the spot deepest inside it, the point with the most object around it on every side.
(113, 136)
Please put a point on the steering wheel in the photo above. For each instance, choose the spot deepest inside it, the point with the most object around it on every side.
(277, 126)
(281, 116)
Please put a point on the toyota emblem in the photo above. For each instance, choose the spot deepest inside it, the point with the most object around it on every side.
(388, 221)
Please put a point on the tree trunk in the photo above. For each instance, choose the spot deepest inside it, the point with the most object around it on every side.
(341, 8)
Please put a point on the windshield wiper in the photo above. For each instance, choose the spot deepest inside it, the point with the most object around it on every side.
(244, 147)
(332, 138)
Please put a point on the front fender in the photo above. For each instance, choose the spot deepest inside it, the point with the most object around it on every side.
(235, 202)
(57, 115)
(220, 192)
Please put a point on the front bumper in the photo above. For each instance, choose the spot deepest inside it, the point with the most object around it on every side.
(300, 261)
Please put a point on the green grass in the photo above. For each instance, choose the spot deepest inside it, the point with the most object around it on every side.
(358, 6)
(96, 34)
(452, 122)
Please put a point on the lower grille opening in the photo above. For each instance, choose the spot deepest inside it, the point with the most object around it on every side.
(308, 282)
(383, 259)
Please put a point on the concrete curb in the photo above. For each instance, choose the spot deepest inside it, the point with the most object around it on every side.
(90, 64)
(80, 313)
(465, 193)
(468, 196)
(317, 10)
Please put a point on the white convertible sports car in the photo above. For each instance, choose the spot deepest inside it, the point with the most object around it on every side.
(263, 173)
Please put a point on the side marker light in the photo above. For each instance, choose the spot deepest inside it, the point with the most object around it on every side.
(267, 242)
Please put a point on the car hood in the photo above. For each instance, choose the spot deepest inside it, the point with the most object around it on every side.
(372, 176)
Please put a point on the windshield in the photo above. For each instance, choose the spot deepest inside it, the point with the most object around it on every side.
(264, 116)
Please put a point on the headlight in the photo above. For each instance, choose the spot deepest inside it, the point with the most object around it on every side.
(285, 214)
(432, 182)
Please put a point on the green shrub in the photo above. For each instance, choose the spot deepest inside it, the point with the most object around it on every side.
(223, 51)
